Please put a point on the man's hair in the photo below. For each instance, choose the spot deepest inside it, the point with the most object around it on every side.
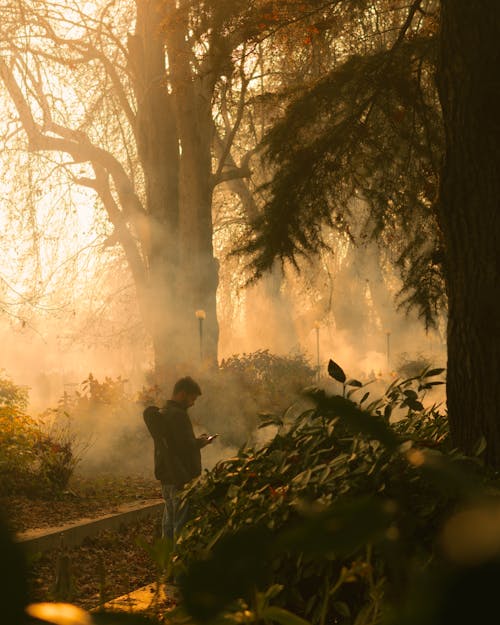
(188, 385)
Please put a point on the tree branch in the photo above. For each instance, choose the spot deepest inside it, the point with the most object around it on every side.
(102, 187)
(73, 142)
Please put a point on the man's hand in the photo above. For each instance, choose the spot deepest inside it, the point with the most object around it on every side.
(205, 439)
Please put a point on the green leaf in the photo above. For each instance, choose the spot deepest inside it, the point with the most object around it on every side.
(336, 372)
(433, 372)
(410, 394)
(480, 446)
(342, 608)
(160, 551)
(359, 421)
(414, 405)
(282, 616)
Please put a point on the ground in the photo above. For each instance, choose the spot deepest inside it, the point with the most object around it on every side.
(85, 498)
(103, 567)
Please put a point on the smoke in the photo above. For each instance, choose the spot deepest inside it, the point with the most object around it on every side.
(335, 309)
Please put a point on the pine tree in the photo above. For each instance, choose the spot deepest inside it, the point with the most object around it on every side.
(370, 129)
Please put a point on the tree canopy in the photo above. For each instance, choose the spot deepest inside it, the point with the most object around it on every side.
(370, 129)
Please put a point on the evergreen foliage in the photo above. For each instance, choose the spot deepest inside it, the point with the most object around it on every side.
(369, 130)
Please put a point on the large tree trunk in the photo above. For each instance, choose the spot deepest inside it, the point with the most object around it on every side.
(198, 269)
(469, 85)
(158, 147)
(174, 141)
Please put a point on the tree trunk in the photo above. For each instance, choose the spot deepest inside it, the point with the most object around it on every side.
(173, 133)
(469, 86)
(158, 147)
(197, 269)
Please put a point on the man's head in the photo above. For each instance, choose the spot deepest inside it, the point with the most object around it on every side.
(186, 392)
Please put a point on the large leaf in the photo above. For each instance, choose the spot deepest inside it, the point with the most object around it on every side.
(359, 421)
(433, 372)
(336, 372)
(354, 383)
(282, 616)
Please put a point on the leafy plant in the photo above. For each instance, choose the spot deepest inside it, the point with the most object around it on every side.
(243, 386)
(33, 460)
(247, 385)
(338, 513)
(12, 395)
(106, 420)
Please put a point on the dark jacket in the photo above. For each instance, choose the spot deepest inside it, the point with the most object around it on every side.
(177, 451)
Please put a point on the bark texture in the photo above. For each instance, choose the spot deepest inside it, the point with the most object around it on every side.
(469, 85)
(174, 137)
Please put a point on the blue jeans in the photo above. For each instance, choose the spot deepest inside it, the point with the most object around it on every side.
(175, 513)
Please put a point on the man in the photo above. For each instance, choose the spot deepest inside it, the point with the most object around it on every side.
(176, 451)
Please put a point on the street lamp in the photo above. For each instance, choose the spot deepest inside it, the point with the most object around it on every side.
(388, 335)
(317, 326)
(200, 315)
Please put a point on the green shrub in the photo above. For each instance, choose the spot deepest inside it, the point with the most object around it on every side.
(13, 395)
(334, 518)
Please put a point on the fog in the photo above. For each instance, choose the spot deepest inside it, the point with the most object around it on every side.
(114, 233)
(111, 437)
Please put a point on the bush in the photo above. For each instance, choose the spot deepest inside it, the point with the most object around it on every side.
(332, 520)
(410, 365)
(246, 386)
(107, 420)
(241, 388)
(33, 461)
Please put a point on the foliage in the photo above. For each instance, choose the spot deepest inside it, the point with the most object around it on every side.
(243, 386)
(33, 460)
(409, 365)
(12, 395)
(334, 518)
(107, 419)
(369, 130)
(95, 394)
(247, 385)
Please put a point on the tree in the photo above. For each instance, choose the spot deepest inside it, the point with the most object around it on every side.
(136, 95)
(369, 129)
(468, 213)
(133, 112)
(372, 128)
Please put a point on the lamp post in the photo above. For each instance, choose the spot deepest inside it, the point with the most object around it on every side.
(316, 327)
(388, 335)
(200, 315)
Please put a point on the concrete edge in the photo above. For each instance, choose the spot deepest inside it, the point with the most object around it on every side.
(73, 534)
(140, 599)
